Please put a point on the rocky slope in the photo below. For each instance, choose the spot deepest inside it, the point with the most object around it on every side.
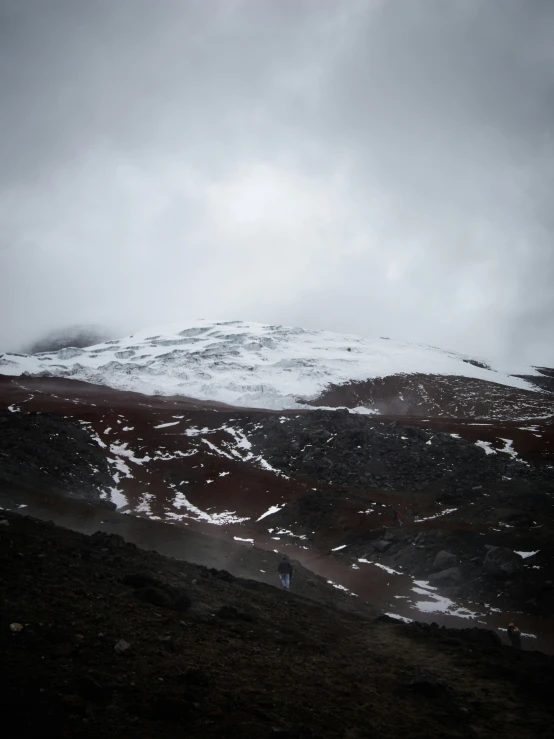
(55, 454)
(342, 448)
(101, 639)
(308, 482)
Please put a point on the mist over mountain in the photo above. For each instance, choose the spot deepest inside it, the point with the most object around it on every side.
(76, 335)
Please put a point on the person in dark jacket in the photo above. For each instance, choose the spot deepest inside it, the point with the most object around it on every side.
(397, 517)
(514, 635)
(285, 572)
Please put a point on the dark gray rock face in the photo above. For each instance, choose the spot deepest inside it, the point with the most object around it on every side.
(502, 562)
(444, 560)
(382, 545)
(453, 575)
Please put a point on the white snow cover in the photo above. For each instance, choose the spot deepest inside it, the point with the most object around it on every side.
(246, 364)
(526, 555)
(272, 509)
(437, 515)
(486, 446)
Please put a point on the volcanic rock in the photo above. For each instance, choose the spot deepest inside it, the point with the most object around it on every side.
(444, 560)
(502, 562)
(451, 575)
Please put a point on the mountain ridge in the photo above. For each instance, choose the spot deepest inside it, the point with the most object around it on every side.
(256, 365)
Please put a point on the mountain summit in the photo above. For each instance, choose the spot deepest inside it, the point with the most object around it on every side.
(263, 366)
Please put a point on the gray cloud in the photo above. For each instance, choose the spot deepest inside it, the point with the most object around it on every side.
(367, 166)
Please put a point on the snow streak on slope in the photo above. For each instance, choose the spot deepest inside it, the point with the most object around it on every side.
(246, 364)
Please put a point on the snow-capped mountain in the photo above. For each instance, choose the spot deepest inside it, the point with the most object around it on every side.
(248, 364)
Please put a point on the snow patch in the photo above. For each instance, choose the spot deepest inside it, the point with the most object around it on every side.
(440, 604)
(400, 618)
(381, 566)
(117, 497)
(526, 555)
(446, 512)
(486, 447)
(218, 519)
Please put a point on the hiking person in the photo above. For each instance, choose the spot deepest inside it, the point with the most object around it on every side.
(285, 572)
(396, 517)
(514, 635)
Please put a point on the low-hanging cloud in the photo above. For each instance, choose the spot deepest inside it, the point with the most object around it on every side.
(376, 167)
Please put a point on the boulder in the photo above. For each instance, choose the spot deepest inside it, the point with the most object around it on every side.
(444, 560)
(222, 575)
(381, 545)
(408, 557)
(107, 541)
(429, 686)
(386, 619)
(155, 596)
(449, 576)
(232, 613)
(502, 562)
(141, 580)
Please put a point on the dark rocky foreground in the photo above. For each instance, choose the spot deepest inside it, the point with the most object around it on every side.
(101, 639)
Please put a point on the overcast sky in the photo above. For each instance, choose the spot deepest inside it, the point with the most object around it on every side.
(368, 166)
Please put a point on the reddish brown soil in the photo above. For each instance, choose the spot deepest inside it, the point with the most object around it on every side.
(421, 396)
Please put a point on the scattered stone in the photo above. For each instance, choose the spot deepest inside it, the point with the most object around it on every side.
(16, 628)
(122, 646)
(4, 522)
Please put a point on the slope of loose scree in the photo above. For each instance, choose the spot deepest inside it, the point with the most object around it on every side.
(101, 639)
(344, 448)
(55, 453)
(431, 395)
(308, 482)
